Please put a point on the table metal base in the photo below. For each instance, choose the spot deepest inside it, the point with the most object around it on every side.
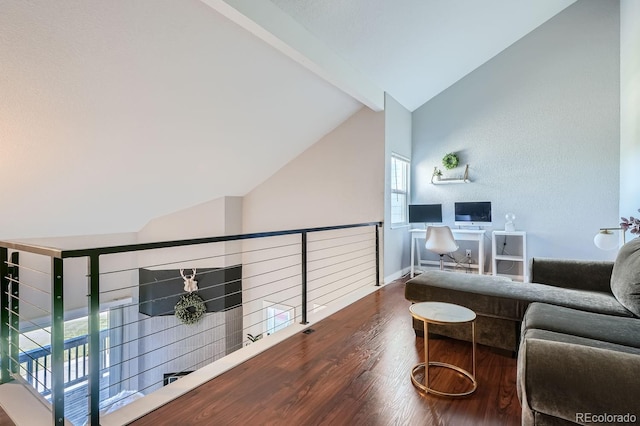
(427, 389)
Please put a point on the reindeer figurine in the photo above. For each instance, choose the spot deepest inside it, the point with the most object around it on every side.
(190, 284)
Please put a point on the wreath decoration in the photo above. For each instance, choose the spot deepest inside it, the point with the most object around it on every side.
(450, 161)
(190, 308)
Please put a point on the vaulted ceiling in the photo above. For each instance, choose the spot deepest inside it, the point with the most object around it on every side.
(411, 49)
(115, 112)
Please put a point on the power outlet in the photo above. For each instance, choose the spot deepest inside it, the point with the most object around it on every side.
(468, 253)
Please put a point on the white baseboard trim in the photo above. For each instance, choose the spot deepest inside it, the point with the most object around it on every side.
(397, 274)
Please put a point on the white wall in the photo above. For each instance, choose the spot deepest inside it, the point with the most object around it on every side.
(115, 112)
(222, 216)
(337, 181)
(629, 108)
(539, 126)
(397, 140)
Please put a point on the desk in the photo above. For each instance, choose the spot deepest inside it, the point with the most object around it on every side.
(459, 234)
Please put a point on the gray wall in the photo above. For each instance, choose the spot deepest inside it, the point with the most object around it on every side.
(629, 108)
(539, 126)
(397, 136)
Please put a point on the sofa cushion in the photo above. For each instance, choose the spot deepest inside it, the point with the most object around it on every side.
(500, 297)
(562, 375)
(625, 278)
(600, 327)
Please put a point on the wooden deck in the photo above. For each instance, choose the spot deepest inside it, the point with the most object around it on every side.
(353, 369)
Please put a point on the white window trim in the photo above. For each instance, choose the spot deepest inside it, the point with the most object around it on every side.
(407, 192)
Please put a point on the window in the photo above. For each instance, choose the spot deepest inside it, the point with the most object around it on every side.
(399, 189)
(277, 317)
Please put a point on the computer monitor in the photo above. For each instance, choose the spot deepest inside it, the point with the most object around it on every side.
(425, 213)
(473, 213)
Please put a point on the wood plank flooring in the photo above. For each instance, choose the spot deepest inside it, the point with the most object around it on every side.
(4, 419)
(353, 369)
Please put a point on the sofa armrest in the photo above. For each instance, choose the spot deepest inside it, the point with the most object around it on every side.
(576, 379)
(576, 274)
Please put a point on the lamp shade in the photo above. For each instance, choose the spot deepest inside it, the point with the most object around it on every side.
(606, 240)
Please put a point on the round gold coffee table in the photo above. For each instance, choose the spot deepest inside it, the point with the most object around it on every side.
(443, 314)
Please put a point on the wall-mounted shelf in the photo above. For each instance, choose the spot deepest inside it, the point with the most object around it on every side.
(438, 180)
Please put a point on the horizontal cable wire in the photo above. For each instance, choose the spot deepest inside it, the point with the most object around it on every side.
(341, 262)
(337, 237)
(28, 338)
(365, 262)
(262, 285)
(163, 347)
(177, 341)
(370, 276)
(23, 284)
(333, 282)
(27, 268)
(297, 285)
(33, 375)
(24, 320)
(216, 270)
(227, 282)
(336, 246)
(32, 358)
(174, 262)
(207, 344)
(314, 246)
(178, 325)
(23, 300)
(244, 303)
(341, 270)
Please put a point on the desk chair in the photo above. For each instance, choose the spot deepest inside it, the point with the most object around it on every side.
(440, 240)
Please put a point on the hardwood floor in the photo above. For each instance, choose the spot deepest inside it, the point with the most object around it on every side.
(353, 369)
(4, 419)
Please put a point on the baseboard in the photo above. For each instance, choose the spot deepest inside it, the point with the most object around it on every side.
(396, 275)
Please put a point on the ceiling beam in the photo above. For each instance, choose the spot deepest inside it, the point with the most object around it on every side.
(269, 23)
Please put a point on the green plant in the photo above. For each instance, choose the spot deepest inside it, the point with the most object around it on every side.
(253, 338)
(190, 308)
(438, 172)
(450, 161)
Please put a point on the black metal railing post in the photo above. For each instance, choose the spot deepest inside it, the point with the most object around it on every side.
(377, 255)
(14, 314)
(94, 340)
(304, 278)
(5, 375)
(57, 341)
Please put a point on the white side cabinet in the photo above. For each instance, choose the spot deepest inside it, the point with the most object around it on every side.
(517, 249)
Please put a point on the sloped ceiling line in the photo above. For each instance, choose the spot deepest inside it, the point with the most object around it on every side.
(266, 21)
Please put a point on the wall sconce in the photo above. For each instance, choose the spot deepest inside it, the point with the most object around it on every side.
(607, 240)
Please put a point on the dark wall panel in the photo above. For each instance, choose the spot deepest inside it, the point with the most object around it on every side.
(160, 290)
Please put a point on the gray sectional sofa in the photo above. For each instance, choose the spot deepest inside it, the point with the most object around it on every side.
(575, 327)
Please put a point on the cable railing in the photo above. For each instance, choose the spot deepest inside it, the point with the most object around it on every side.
(157, 311)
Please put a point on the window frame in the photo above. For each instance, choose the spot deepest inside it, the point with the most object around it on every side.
(399, 190)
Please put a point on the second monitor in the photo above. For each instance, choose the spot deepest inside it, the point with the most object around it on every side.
(473, 214)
